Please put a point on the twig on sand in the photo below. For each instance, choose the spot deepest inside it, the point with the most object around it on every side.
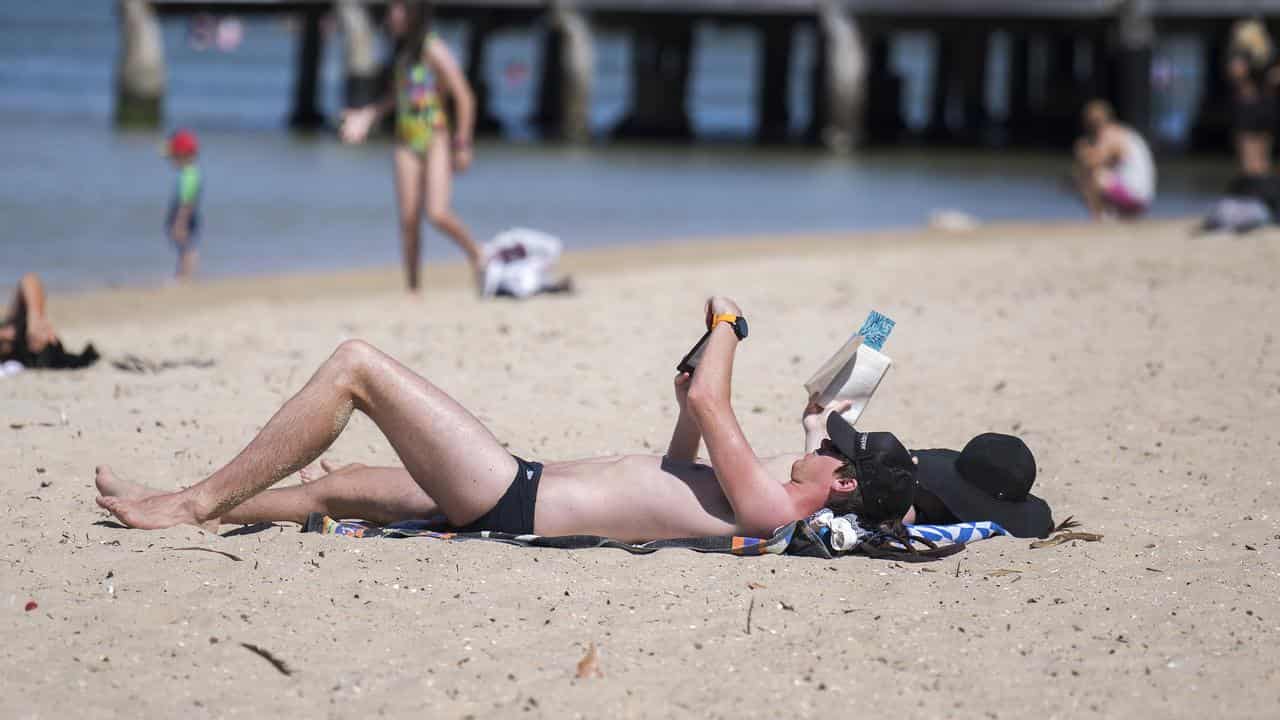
(1067, 524)
(276, 662)
(750, 607)
(223, 553)
(1066, 537)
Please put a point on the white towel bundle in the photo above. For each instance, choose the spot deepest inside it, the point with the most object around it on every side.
(519, 262)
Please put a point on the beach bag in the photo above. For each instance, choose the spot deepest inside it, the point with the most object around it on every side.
(1237, 215)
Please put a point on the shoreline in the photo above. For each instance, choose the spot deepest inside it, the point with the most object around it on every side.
(77, 308)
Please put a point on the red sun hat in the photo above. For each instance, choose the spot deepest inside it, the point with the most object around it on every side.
(183, 143)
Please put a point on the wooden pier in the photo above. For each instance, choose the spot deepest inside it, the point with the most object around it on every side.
(1086, 48)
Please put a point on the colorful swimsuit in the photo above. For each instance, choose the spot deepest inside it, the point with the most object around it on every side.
(419, 111)
(187, 192)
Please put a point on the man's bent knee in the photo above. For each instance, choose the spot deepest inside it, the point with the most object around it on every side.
(352, 359)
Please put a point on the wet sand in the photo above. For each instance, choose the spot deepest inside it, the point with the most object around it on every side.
(1139, 363)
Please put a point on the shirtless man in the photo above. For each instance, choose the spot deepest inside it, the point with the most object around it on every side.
(454, 466)
(1115, 172)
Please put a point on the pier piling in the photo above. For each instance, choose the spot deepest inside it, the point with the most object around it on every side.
(773, 115)
(568, 64)
(838, 80)
(361, 85)
(306, 113)
(140, 69)
(661, 59)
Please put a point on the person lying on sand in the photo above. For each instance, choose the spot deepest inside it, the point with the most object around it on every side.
(27, 336)
(453, 465)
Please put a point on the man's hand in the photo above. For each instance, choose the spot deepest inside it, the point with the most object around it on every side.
(720, 305)
(814, 420)
(682, 389)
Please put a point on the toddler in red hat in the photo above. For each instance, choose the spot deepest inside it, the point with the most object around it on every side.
(183, 219)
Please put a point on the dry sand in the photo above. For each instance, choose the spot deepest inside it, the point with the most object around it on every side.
(1140, 364)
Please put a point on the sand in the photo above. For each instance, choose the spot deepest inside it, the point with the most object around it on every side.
(1139, 363)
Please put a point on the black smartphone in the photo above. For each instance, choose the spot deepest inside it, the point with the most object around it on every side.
(694, 356)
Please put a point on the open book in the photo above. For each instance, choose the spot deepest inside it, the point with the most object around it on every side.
(854, 372)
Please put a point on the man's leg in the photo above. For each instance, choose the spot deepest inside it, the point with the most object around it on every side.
(378, 494)
(449, 454)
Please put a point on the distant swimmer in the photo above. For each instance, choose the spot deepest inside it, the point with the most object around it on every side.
(428, 149)
(1115, 172)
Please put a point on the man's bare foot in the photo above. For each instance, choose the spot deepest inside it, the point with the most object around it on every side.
(151, 513)
(110, 485)
(128, 500)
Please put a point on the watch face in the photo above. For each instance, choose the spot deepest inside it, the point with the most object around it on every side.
(740, 327)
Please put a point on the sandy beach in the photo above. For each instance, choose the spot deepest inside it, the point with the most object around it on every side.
(1139, 363)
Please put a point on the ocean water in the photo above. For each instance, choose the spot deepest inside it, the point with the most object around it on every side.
(83, 204)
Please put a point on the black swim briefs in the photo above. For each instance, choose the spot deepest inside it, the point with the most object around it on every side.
(514, 511)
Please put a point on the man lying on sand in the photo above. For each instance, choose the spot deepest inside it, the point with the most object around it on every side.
(454, 466)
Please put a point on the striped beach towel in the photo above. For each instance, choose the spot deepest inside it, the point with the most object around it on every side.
(807, 538)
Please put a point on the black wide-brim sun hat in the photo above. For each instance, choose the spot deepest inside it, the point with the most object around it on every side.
(989, 480)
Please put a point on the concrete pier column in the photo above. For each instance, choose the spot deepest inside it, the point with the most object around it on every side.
(661, 60)
(568, 65)
(361, 84)
(1135, 38)
(306, 114)
(773, 114)
(839, 80)
(477, 75)
(1017, 122)
(1212, 128)
(960, 87)
(946, 61)
(972, 82)
(140, 72)
(884, 94)
(1062, 94)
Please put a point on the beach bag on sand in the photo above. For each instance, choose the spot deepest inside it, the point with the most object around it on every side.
(519, 262)
(1237, 215)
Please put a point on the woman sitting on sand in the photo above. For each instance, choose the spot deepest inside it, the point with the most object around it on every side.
(27, 336)
(425, 71)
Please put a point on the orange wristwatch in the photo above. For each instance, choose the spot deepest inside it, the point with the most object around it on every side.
(738, 323)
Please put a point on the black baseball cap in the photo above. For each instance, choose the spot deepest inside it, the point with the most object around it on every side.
(883, 467)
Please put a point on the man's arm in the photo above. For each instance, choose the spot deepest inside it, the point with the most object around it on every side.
(686, 437)
(759, 503)
(30, 302)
